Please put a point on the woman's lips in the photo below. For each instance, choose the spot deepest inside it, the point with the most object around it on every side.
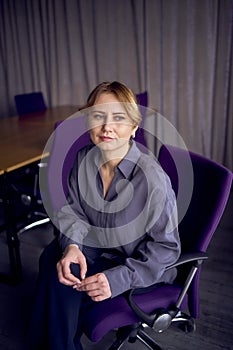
(106, 138)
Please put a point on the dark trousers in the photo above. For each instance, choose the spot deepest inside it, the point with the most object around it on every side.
(57, 314)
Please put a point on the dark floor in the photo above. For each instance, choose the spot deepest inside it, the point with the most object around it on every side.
(214, 327)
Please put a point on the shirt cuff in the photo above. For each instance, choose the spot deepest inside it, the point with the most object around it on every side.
(119, 280)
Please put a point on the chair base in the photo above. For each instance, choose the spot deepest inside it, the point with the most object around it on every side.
(137, 332)
(185, 322)
(149, 342)
(132, 334)
(32, 225)
(36, 223)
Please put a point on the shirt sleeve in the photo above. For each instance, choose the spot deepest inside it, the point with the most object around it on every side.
(159, 248)
(71, 220)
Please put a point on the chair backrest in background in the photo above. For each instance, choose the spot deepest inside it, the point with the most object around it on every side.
(142, 98)
(30, 103)
(140, 133)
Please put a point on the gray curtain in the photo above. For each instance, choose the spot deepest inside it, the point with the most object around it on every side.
(180, 51)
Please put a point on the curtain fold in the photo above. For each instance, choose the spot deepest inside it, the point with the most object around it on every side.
(180, 51)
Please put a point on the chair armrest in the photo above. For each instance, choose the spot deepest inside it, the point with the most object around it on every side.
(196, 257)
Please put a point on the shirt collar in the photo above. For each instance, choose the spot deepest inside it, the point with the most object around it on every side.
(127, 164)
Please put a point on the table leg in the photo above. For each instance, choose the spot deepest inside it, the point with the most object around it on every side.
(11, 235)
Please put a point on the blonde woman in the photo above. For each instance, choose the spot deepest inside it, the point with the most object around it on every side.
(118, 230)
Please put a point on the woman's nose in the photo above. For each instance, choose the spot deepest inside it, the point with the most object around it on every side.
(107, 124)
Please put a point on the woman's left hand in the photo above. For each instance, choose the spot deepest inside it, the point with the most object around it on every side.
(96, 286)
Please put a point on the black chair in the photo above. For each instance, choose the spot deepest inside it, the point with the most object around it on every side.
(30, 103)
(25, 181)
(26, 199)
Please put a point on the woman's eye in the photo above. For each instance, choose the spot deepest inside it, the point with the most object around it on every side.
(98, 116)
(119, 118)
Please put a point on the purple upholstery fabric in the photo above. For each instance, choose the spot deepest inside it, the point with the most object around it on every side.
(212, 185)
(114, 313)
(142, 98)
(69, 137)
(140, 133)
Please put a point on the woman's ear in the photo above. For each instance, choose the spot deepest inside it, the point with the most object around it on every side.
(135, 128)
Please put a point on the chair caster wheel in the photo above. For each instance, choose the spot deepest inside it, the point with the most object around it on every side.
(189, 326)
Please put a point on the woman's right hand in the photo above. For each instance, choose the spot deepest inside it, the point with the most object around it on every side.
(72, 254)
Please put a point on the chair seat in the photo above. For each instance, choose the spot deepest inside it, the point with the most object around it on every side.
(115, 313)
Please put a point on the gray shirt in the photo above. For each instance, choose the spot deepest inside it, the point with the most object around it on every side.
(135, 224)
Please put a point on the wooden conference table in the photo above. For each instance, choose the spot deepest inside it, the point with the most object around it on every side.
(23, 138)
(22, 142)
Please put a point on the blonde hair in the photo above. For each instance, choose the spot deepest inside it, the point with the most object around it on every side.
(123, 94)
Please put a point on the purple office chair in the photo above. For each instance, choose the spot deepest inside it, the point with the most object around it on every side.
(155, 308)
(131, 313)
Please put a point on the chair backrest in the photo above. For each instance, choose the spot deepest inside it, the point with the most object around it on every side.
(30, 103)
(68, 138)
(211, 189)
(142, 98)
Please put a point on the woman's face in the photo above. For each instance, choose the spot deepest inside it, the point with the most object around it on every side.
(110, 127)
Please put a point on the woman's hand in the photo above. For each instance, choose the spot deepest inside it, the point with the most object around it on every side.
(72, 254)
(96, 286)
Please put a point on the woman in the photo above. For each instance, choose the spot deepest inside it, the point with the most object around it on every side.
(118, 230)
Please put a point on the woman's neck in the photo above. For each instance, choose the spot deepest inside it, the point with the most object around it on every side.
(111, 159)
